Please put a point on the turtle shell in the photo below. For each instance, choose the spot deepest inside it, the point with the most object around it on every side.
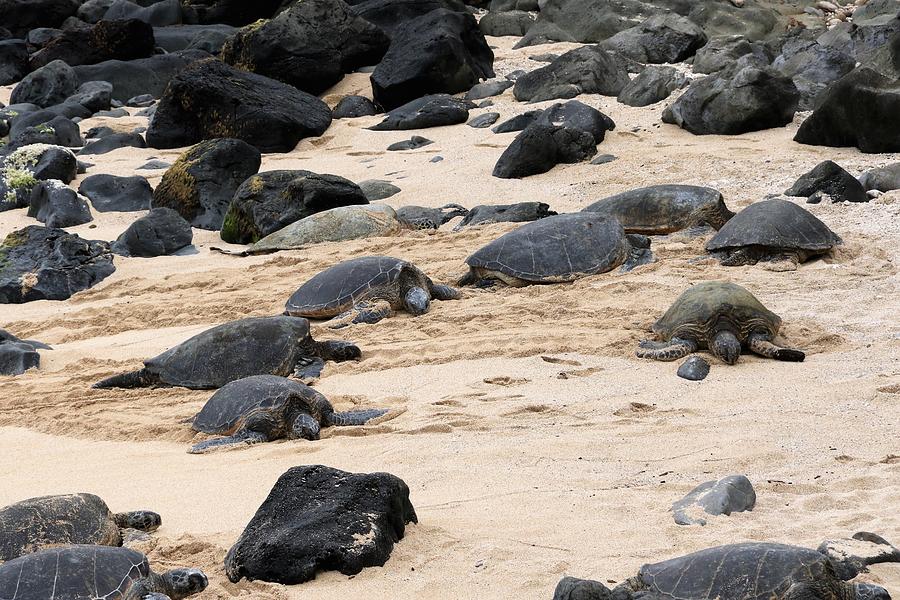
(337, 288)
(232, 351)
(750, 571)
(224, 413)
(556, 249)
(661, 209)
(73, 573)
(31, 525)
(698, 309)
(775, 224)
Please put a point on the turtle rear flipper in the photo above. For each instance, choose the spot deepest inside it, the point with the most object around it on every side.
(134, 379)
(675, 349)
(355, 417)
(758, 344)
(243, 436)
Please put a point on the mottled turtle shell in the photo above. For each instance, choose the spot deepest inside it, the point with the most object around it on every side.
(750, 571)
(229, 407)
(72, 573)
(556, 249)
(775, 224)
(661, 209)
(31, 525)
(232, 351)
(338, 288)
(697, 311)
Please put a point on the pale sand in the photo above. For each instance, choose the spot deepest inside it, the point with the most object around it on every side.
(519, 475)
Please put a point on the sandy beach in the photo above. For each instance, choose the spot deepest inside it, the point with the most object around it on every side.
(534, 443)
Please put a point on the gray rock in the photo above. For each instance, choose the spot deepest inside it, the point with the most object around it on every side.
(160, 232)
(112, 142)
(378, 189)
(830, 178)
(109, 193)
(154, 165)
(694, 368)
(13, 61)
(430, 111)
(46, 86)
(158, 14)
(883, 179)
(660, 39)
(484, 120)
(731, 494)
(488, 89)
(142, 76)
(354, 106)
(57, 205)
(586, 70)
(653, 85)
(514, 23)
(603, 159)
(412, 143)
(722, 51)
(518, 123)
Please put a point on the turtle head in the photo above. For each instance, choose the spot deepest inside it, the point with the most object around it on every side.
(142, 520)
(726, 346)
(416, 301)
(305, 427)
(181, 583)
(868, 591)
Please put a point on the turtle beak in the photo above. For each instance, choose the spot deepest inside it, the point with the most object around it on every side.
(417, 301)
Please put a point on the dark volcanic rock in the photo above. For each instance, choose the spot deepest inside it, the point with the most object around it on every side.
(46, 86)
(201, 183)
(200, 37)
(95, 96)
(431, 111)
(586, 70)
(723, 497)
(812, 67)
(109, 193)
(16, 356)
(391, 15)
(721, 52)
(694, 368)
(21, 16)
(318, 518)
(520, 212)
(141, 76)
(518, 123)
(830, 178)
(514, 22)
(488, 89)
(378, 189)
(114, 141)
(354, 106)
(651, 86)
(211, 99)
(42, 263)
(840, 120)
(564, 133)
(440, 52)
(57, 205)
(160, 232)
(412, 143)
(107, 40)
(484, 120)
(571, 588)
(21, 170)
(729, 104)
(310, 46)
(659, 39)
(13, 61)
(159, 13)
(58, 131)
(232, 12)
(269, 201)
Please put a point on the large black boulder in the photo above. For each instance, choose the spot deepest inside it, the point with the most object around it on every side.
(17, 356)
(13, 61)
(107, 40)
(201, 183)
(231, 12)
(21, 16)
(159, 13)
(160, 232)
(113, 141)
(57, 205)
(49, 85)
(354, 106)
(722, 51)
(730, 103)
(110, 193)
(513, 22)
(310, 46)
(654, 83)
(660, 39)
(58, 131)
(210, 99)
(829, 178)
(319, 518)
(140, 76)
(269, 201)
(440, 52)
(860, 109)
(564, 133)
(431, 111)
(391, 15)
(22, 169)
(586, 70)
(43, 263)
(812, 67)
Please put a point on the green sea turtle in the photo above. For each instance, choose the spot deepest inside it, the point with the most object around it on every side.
(366, 290)
(93, 573)
(37, 523)
(263, 408)
(421, 217)
(253, 346)
(557, 249)
(720, 316)
(772, 230)
(662, 209)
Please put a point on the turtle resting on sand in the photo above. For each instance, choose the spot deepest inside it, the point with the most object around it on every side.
(557, 249)
(37, 523)
(662, 209)
(94, 572)
(366, 290)
(772, 230)
(263, 408)
(722, 317)
(254, 346)
(420, 217)
(748, 571)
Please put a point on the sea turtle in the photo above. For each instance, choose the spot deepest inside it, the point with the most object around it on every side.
(557, 249)
(519, 212)
(263, 408)
(748, 571)
(252, 346)
(37, 523)
(772, 230)
(366, 290)
(92, 572)
(720, 316)
(662, 209)
(334, 225)
(420, 217)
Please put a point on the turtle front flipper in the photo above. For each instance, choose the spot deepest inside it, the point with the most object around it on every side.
(362, 312)
(444, 292)
(355, 417)
(639, 252)
(760, 344)
(134, 379)
(675, 349)
(244, 436)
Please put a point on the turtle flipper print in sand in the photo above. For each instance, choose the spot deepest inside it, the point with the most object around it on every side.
(722, 317)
